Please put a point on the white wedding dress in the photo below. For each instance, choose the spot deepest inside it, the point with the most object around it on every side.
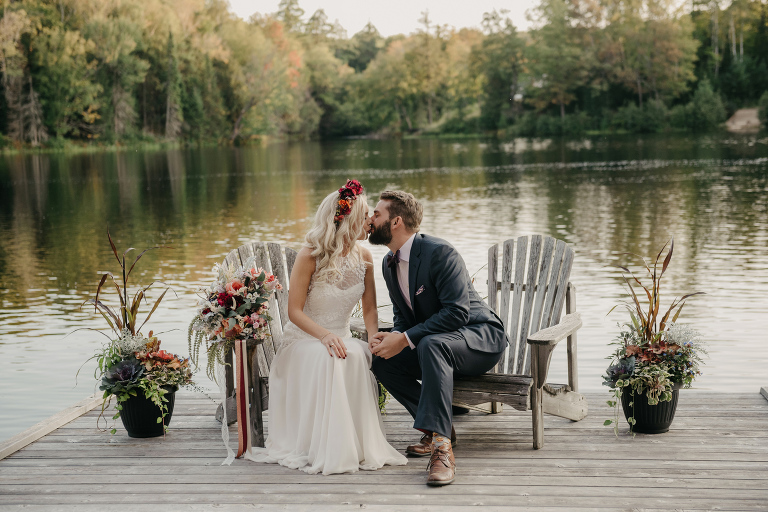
(323, 411)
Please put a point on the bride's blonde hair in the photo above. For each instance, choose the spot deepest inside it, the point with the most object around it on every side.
(328, 241)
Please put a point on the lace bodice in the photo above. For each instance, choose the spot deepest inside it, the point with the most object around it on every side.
(330, 305)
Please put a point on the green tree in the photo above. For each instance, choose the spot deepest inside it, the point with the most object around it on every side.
(66, 81)
(289, 13)
(327, 76)
(762, 111)
(704, 112)
(499, 61)
(115, 36)
(259, 74)
(427, 64)
(462, 84)
(362, 48)
(650, 48)
(13, 63)
(174, 116)
(559, 62)
(386, 89)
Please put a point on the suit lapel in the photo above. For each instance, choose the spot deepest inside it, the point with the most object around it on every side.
(413, 269)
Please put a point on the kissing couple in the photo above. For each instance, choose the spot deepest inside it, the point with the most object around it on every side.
(323, 408)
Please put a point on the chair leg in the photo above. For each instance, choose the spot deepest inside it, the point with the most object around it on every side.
(538, 418)
(540, 358)
(257, 421)
(573, 368)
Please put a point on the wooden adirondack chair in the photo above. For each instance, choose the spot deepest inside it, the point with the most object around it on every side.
(530, 304)
(269, 256)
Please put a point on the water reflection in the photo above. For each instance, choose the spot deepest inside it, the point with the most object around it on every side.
(603, 196)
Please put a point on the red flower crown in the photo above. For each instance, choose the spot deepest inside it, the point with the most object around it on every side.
(347, 195)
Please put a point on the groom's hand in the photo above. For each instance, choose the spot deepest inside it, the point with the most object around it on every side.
(388, 344)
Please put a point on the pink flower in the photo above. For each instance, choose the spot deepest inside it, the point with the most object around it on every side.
(233, 287)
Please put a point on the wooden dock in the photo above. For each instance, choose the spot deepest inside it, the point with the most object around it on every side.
(714, 458)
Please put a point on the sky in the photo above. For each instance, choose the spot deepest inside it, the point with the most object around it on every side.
(392, 17)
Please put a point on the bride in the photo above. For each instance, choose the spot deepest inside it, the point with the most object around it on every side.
(323, 412)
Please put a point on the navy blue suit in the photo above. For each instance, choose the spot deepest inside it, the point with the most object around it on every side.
(453, 330)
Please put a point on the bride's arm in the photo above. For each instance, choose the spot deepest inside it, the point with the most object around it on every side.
(370, 313)
(297, 297)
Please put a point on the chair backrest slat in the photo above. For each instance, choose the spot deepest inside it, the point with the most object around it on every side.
(233, 259)
(290, 259)
(534, 254)
(551, 295)
(541, 284)
(531, 299)
(521, 248)
(493, 292)
(506, 279)
(266, 350)
(562, 286)
(493, 276)
(278, 268)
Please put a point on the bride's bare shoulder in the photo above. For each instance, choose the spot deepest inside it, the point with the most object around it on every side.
(305, 259)
(365, 253)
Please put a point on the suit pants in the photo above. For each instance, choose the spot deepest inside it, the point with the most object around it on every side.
(435, 361)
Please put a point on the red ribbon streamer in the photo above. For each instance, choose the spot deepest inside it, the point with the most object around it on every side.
(243, 405)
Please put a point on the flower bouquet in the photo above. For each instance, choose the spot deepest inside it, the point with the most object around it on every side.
(131, 366)
(235, 306)
(654, 356)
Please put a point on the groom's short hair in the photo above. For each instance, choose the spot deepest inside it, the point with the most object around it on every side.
(404, 205)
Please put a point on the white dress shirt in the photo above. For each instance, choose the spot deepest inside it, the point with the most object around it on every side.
(402, 276)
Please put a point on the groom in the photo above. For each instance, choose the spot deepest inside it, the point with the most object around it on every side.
(442, 327)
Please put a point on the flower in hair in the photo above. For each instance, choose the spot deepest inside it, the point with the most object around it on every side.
(347, 195)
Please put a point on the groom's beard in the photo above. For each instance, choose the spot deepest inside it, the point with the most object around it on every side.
(381, 235)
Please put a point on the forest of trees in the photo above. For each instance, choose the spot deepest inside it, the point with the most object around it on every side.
(126, 71)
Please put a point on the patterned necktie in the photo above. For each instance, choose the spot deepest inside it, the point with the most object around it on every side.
(393, 259)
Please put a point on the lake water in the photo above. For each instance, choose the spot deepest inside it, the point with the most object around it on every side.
(603, 196)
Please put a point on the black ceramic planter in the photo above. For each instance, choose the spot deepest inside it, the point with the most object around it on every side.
(650, 419)
(140, 415)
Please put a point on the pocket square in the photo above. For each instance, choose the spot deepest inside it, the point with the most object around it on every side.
(421, 289)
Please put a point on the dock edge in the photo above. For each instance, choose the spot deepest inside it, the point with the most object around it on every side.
(48, 425)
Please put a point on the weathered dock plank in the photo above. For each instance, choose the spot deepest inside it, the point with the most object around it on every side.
(715, 457)
(48, 425)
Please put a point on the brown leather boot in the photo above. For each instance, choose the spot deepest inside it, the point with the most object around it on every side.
(442, 465)
(424, 447)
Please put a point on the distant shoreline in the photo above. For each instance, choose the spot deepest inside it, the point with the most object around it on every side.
(76, 147)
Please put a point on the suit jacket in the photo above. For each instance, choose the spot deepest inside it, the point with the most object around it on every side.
(443, 298)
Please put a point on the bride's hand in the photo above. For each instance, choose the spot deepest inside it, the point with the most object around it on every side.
(335, 345)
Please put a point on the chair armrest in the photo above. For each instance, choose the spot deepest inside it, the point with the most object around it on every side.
(553, 335)
(357, 325)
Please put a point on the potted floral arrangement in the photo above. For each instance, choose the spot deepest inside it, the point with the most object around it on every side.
(235, 306)
(654, 356)
(132, 367)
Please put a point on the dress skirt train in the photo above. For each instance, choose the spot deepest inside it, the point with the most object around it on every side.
(323, 411)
